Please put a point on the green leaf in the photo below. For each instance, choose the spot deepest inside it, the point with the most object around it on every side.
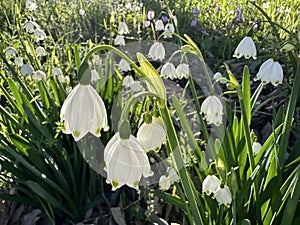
(247, 93)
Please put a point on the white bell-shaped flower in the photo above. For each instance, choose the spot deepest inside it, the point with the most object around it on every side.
(218, 76)
(30, 26)
(95, 75)
(132, 84)
(165, 181)
(26, 69)
(270, 71)
(83, 111)
(119, 40)
(125, 162)
(40, 51)
(223, 195)
(124, 66)
(157, 51)
(245, 48)
(63, 79)
(151, 136)
(19, 61)
(123, 28)
(169, 28)
(210, 184)
(159, 25)
(39, 34)
(31, 5)
(212, 109)
(182, 70)
(168, 71)
(256, 146)
(39, 75)
(56, 71)
(10, 51)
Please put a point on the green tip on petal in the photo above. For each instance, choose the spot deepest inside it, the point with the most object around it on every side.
(115, 183)
(76, 133)
(98, 131)
(136, 183)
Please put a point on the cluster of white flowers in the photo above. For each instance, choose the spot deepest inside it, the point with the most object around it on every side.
(212, 185)
(122, 29)
(126, 159)
(168, 70)
(269, 71)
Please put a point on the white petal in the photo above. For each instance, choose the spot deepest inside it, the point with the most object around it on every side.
(223, 195)
(210, 184)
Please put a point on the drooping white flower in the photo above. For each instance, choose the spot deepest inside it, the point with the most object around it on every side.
(30, 26)
(223, 195)
(151, 136)
(124, 66)
(256, 146)
(26, 69)
(130, 83)
(19, 61)
(168, 71)
(150, 15)
(217, 76)
(10, 51)
(39, 34)
(270, 71)
(81, 12)
(95, 75)
(40, 51)
(212, 109)
(123, 28)
(159, 25)
(170, 29)
(63, 79)
(182, 70)
(119, 40)
(31, 5)
(83, 111)
(245, 48)
(125, 162)
(157, 51)
(165, 181)
(56, 71)
(210, 184)
(39, 75)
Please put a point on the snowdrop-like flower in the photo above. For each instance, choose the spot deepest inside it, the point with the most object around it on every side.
(81, 12)
(210, 184)
(39, 34)
(31, 5)
(123, 28)
(245, 48)
(39, 75)
(10, 51)
(26, 69)
(169, 28)
(19, 61)
(56, 71)
(223, 195)
(212, 109)
(270, 71)
(83, 111)
(124, 66)
(217, 76)
(30, 26)
(165, 181)
(266, 5)
(182, 70)
(168, 71)
(159, 25)
(151, 15)
(95, 75)
(256, 146)
(63, 79)
(40, 51)
(157, 51)
(129, 82)
(151, 136)
(119, 40)
(125, 162)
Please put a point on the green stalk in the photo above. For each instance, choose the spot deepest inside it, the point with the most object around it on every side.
(184, 176)
(287, 125)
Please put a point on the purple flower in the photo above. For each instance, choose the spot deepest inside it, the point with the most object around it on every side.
(196, 12)
(239, 14)
(219, 9)
(164, 19)
(194, 23)
(105, 7)
(147, 23)
(151, 15)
